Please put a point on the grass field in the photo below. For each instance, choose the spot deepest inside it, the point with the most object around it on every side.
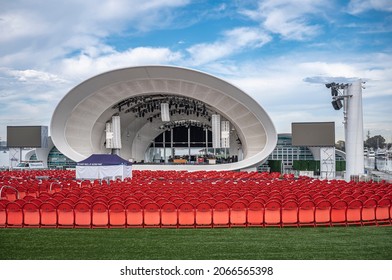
(351, 243)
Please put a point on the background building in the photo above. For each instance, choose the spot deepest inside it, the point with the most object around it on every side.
(287, 158)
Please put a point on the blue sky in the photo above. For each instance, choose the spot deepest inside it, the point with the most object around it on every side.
(280, 52)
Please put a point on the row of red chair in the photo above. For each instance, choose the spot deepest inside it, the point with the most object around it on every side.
(309, 202)
(238, 214)
(12, 192)
(108, 196)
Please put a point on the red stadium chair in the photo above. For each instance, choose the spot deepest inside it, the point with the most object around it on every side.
(3, 213)
(383, 212)
(48, 215)
(82, 212)
(9, 193)
(99, 215)
(161, 201)
(14, 215)
(117, 215)
(306, 213)
(234, 196)
(368, 213)
(229, 201)
(130, 200)
(272, 215)
(353, 213)
(219, 196)
(255, 214)
(220, 215)
(290, 213)
(194, 201)
(134, 213)
(203, 215)
(146, 201)
(21, 202)
(37, 201)
(211, 201)
(31, 215)
(248, 197)
(65, 215)
(186, 215)
(22, 192)
(339, 213)
(348, 198)
(390, 213)
(152, 215)
(238, 214)
(28, 198)
(322, 213)
(362, 198)
(178, 201)
(169, 215)
(43, 195)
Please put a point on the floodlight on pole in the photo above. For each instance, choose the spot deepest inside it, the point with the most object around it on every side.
(349, 97)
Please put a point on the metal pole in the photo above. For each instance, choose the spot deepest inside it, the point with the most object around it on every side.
(206, 141)
(171, 143)
(189, 142)
(164, 146)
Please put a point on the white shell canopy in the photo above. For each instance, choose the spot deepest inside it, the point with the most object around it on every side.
(78, 122)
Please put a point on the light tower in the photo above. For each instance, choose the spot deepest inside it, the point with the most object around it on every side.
(349, 97)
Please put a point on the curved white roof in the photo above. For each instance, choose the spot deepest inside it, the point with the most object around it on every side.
(78, 122)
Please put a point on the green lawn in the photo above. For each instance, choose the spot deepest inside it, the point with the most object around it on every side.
(349, 243)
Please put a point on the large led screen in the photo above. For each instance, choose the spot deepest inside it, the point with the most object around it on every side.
(321, 134)
(27, 136)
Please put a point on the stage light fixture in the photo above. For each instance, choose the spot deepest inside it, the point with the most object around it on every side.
(337, 104)
(334, 91)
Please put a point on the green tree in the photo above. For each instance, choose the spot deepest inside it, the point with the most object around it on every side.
(375, 142)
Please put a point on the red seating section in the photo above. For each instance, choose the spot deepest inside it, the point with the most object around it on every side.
(189, 200)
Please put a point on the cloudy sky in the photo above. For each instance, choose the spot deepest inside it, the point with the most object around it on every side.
(280, 52)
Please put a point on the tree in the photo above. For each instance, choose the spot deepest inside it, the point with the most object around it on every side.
(375, 142)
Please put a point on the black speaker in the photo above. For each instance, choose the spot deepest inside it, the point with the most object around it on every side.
(337, 104)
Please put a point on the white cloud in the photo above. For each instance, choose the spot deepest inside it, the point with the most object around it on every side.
(14, 26)
(289, 19)
(46, 30)
(34, 76)
(83, 66)
(233, 41)
(361, 6)
(280, 86)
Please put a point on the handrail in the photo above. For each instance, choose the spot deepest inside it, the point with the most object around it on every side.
(50, 188)
(17, 192)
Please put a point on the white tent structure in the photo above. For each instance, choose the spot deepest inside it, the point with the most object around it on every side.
(104, 166)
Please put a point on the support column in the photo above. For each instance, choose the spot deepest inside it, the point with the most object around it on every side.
(164, 147)
(327, 162)
(171, 143)
(15, 157)
(354, 131)
(206, 141)
(189, 142)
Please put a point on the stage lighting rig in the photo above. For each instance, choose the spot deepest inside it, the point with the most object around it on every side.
(337, 95)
